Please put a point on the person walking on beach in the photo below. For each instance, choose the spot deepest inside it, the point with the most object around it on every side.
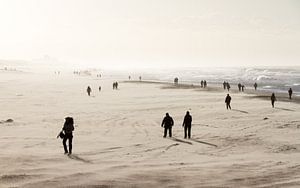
(290, 93)
(187, 124)
(201, 83)
(227, 101)
(255, 86)
(204, 83)
(176, 81)
(239, 86)
(243, 86)
(99, 88)
(273, 99)
(224, 85)
(167, 123)
(89, 90)
(228, 86)
(68, 130)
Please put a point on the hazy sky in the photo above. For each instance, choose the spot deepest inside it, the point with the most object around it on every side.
(137, 33)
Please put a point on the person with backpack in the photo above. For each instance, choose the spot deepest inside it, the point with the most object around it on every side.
(167, 123)
(68, 129)
(187, 124)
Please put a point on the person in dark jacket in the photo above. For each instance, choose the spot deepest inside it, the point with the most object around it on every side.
(167, 123)
(273, 99)
(89, 90)
(290, 93)
(187, 124)
(255, 85)
(68, 130)
(227, 101)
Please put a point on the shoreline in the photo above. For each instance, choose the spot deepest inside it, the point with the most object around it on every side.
(251, 93)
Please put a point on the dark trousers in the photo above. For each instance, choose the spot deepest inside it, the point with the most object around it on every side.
(273, 103)
(166, 130)
(228, 106)
(70, 138)
(187, 131)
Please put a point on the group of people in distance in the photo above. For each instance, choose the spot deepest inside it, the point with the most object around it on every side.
(89, 89)
(226, 85)
(168, 123)
(115, 85)
(241, 87)
(203, 84)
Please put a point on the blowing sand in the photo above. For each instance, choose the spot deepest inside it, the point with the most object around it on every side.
(118, 141)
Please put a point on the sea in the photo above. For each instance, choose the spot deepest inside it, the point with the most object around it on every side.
(275, 79)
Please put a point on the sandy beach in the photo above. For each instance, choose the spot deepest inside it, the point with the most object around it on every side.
(118, 141)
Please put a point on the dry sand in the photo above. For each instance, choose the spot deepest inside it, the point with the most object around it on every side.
(118, 139)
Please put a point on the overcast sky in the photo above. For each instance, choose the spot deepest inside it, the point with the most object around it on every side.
(143, 33)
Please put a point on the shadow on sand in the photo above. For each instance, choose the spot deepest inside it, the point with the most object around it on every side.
(286, 109)
(77, 158)
(182, 141)
(245, 112)
(201, 142)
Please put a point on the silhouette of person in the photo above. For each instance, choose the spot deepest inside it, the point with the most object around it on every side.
(140, 78)
(99, 88)
(224, 85)
(116, 85)
(273, 99)
(129, 77)
(243, 88)
(255, 85)
(204, 83)
(201, 83)
(89, 90)
(167, 123)
(228, 86)
(68, 130)
(227, 101)
(239, 86)
(290, 93)
(176, 81)
(187, 124)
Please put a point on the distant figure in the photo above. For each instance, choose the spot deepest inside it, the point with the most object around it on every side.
(129, 77)
(201, 83)
(187, 124)
(228, 86)
(89, 90)
(224, 85)
(239, 86)
(140, 78)
(99, 88)
(290, 93)
(115, 85)
(204, 84)
(243, 88)
(273, 99)
(255, 85)
(167, 123)
(227, 101)
(176, 81)
(68, 130)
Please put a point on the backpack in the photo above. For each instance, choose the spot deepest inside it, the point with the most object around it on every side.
(61, 135)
